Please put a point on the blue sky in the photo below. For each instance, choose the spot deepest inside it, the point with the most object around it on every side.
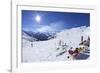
(44, 21)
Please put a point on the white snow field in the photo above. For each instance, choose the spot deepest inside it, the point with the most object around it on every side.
(55, 49)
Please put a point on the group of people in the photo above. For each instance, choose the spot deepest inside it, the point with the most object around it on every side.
(74, 52)
(78, 50)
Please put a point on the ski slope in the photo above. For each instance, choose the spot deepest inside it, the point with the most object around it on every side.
(37, 51)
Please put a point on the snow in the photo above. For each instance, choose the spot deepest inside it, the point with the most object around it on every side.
(37, 51)
(27, 37)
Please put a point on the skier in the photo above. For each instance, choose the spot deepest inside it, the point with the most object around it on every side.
(60, 42)
(76, 52)
(31, 44)
(85, 42)
(81, 38)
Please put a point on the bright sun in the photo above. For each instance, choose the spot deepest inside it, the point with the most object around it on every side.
(38, 18)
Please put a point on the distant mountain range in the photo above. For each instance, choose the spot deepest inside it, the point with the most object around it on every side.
(37, 36)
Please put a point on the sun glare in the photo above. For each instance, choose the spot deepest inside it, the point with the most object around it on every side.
(38, 18)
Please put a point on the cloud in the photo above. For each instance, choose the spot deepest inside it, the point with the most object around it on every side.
(57, 25)
(53, 27)
(45, 29)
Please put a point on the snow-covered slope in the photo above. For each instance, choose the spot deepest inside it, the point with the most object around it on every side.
(73, 36)
(54, 49)
(27, 37)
